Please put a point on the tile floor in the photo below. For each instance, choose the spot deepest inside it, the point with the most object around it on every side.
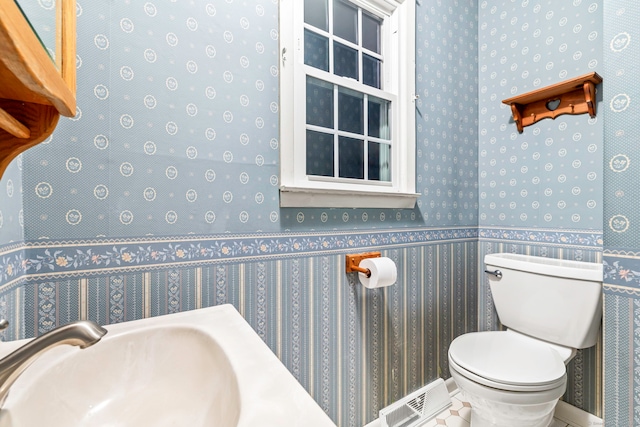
(459, 415)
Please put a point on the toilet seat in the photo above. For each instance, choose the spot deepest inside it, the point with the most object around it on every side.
(507, 360)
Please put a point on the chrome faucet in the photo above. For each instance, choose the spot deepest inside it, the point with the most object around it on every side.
(83, 334)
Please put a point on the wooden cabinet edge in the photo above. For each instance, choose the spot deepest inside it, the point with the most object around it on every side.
(67, 40)
(24, 56)
(35, 92)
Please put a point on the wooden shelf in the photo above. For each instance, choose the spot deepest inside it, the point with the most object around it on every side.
(574, 96)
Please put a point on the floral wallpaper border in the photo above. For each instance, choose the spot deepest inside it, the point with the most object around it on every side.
(38, 260)
(48, 259)
(589, 239)
(622, 272)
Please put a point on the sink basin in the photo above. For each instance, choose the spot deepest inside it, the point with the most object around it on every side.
(134, 375)
(199, 368)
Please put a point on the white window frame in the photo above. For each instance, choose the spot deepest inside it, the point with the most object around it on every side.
(398, 73)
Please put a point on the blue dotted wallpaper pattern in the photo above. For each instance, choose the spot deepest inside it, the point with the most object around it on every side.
(621, 216)
(447, 112)
(11, 210)
(177, 128)
(550, 176)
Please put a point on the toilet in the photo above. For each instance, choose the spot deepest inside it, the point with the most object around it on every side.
(551, 308)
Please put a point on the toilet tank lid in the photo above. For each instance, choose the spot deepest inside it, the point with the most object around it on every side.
(506, 357)
(580, 270)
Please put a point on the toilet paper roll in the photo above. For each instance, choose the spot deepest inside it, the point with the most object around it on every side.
(383, 272)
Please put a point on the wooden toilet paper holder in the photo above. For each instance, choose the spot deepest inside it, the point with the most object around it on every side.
(352, 262)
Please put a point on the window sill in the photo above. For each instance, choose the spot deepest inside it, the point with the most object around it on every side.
(299, 197)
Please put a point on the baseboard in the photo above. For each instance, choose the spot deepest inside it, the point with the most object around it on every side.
(576, 417)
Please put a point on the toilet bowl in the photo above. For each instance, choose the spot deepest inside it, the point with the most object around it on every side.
(506, 376)
(514, 378)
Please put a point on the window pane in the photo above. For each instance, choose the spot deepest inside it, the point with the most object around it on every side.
(316, 13)
(351, 158)
(345, 21)
(345, 61)
(319, 103)
(371, 33)
(379, 162)
(378, 120)
(316, 50)
(319, 153)
(371, 71)
(350, 111)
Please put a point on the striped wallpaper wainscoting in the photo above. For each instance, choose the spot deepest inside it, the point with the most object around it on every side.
(621, 337)
(355, 350)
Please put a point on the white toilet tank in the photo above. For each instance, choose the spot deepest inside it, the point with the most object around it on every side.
(554, 300)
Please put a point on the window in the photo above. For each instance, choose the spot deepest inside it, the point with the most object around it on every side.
(347, 84)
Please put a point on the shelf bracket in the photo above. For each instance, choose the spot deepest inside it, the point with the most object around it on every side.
(13, 126)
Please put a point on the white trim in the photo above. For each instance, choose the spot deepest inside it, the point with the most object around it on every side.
(291, 197)
(379, 7)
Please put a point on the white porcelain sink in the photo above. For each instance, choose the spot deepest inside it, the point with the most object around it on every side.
(198, 368)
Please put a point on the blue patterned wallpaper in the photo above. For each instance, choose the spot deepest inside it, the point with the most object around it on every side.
(11, 209)
(550, 176)
(621, 217)
(177, 125)
(177, 128)
(447, 112)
